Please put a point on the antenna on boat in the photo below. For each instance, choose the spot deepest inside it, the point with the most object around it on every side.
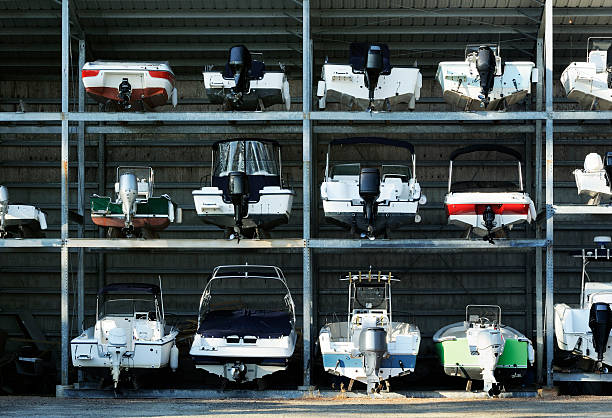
(161, 297)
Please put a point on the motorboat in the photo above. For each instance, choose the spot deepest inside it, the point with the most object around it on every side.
(369, 347)
(130, 334)
(371, 198)
(484, 206)
(246, 196)
(369, 81)
(130, 85)
(590, 83)
(594, 179)
(134, 212)
(483, 81)
(583, 332)
(20, 221)
(246, 83)
(481, 348)
(247, 340)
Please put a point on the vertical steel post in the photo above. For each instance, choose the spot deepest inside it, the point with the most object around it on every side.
(538, 196)
(64, 199)
(306, 186)
(81, 198)
(101, 178)
(548, 49)
(81, 191)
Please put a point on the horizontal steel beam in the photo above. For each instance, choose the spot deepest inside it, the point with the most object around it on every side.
(428, 116)
(427, 244)
(209, 244)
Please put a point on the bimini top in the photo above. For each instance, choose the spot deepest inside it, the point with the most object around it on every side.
(359, 52)
(486, 147)
(130, 288)
(266, 141)
(373, 140)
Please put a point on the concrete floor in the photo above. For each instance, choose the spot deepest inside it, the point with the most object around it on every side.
(553, 406)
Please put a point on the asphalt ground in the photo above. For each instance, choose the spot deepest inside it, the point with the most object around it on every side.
(579, 406)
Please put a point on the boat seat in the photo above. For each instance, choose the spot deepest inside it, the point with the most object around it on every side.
(484, 186)
(257, 70)
(243, 322)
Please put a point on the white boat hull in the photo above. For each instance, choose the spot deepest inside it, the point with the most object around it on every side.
(340, 84)
(460, 84)
(271, 89)
(87, 351)
(588, 87)
(151, 83)
(23, 215)
(398, 203)
(261, 358)
(341, 357)
(273, 207)
(466, 209)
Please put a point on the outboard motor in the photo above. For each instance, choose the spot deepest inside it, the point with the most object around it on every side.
(600, 322)
(373, 67)
(238, 190)
(240, 65)
(369, 190)
(373, 346)
(485, 64)
(4, 199)
(125, 93)
(488, 216)
(128, 190)
(117, 346)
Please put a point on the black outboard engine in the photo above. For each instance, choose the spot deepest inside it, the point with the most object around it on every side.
(125, 93)
(238, 190)
(488, 216)
(369, 190)
(600, 322)
(373, 346)
(609, 66)
(485, 64)
(373, 67)
(240, 64)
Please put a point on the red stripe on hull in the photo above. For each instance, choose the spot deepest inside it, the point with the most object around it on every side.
(156, 224)
(478, 209)
(152, 96)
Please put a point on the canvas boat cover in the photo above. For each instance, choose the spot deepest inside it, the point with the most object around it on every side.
(245, 322)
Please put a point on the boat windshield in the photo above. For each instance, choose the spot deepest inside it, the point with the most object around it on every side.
(402, 172)
(141, 173)
(256, 294)
(599, 44)
(251, 157)
(127, 307)
(483, 314)
(370, 297)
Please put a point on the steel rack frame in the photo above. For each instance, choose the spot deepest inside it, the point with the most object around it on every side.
(539, 122)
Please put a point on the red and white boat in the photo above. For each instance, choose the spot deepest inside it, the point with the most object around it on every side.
(486, 207)
(130, 85)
